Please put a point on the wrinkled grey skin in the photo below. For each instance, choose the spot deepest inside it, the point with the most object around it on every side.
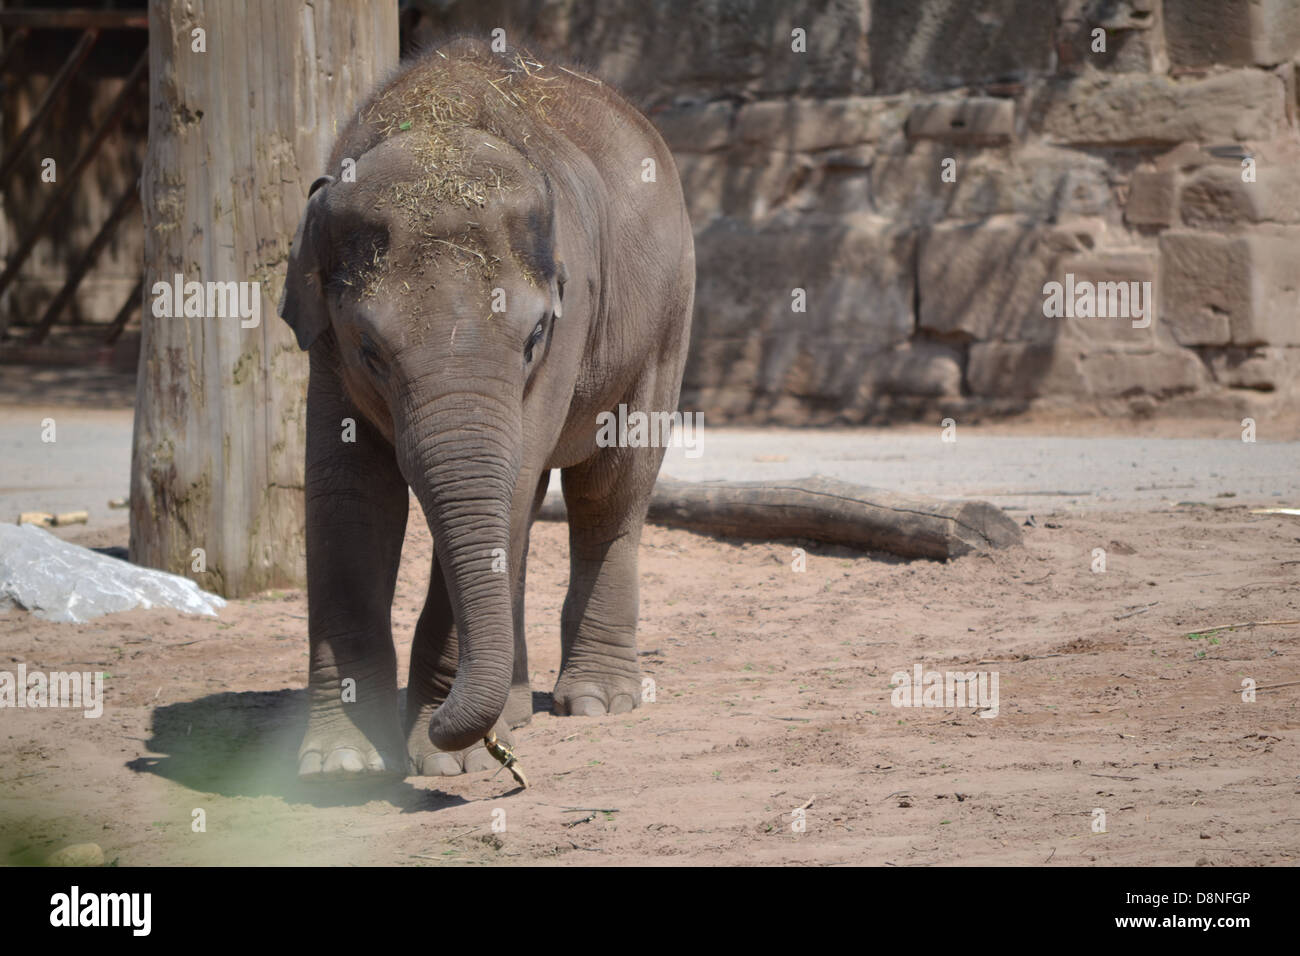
(470, 408)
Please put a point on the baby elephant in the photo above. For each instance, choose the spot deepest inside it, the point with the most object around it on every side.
(501, 255)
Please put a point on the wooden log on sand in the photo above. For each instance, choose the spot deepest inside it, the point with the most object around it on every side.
(823, 509)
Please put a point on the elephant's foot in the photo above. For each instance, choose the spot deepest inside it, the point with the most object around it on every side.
(428, 761)
(346, 742)
(592, 694)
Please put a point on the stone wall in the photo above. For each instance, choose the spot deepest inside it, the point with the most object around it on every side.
(1107, 140)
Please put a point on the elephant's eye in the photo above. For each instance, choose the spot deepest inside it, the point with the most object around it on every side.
(539, 333)
(370, 356)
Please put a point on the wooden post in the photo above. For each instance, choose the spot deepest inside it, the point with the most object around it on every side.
(245, 98)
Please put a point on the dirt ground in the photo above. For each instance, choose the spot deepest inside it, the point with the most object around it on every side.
(772, 693)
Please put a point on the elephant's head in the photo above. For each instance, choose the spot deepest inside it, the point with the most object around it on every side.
(431, 282)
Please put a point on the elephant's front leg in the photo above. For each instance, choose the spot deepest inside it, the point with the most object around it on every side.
(433, 664)
(356, 504)
(606, 500)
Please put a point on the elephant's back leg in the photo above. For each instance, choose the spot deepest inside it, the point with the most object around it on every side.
(606, 498)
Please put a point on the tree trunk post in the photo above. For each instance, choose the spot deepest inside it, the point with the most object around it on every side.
(245, 98)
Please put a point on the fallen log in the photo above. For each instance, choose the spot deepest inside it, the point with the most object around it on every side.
(823, 509)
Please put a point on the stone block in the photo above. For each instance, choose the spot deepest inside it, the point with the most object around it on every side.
(1231, 32)
(1124, 285)
(919, 368)
(944, 44)
(1044, 183)
(804, 125)
(742, 183)
(696, 127)
(663, 52)
(1260, 369)
(1151, 110)
(1132, 36)
(856, 277)
(1116, 373)
(907, 184)
(1024, 370)
(979, 120)
(1230, 290)
(1152, 198)
(1216, 197)
(984, 281)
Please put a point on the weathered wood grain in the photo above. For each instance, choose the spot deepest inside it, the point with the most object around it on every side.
(236, 134)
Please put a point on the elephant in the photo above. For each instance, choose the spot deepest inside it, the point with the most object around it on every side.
(499, 254)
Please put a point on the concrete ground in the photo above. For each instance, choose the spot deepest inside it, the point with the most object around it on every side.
(1018, 472)
(89, 463)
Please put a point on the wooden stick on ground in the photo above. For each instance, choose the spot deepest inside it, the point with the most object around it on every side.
(1290, 683)
(1228, 627)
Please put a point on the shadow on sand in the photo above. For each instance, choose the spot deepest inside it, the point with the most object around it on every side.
(245, 744)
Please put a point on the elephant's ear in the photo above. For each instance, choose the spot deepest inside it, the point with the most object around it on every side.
(303, 302)
(557, 289)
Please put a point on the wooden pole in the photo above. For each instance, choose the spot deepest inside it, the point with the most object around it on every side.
(237, 132)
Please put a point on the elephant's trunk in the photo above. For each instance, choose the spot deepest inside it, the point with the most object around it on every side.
(463, 470)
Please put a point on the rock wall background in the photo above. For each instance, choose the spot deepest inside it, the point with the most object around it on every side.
(821, 170)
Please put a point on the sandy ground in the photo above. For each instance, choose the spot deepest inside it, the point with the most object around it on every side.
(772, 685)
(772, 693)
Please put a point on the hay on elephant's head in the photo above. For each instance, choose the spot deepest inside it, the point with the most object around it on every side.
(439, 116)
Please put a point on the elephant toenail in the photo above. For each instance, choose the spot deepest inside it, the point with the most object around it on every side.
(440, 765)
(586, 707)
(479, 759)
(344, 760)
(309, 764)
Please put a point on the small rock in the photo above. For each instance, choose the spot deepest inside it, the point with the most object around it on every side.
(78, 854)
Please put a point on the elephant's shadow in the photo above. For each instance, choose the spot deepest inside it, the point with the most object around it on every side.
(245, 744)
